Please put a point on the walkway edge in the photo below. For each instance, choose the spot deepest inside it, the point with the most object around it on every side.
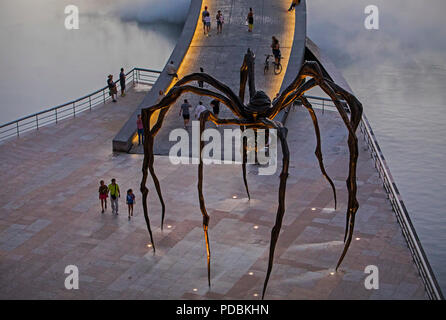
(419, 256)
(122, 142)
(297, 54)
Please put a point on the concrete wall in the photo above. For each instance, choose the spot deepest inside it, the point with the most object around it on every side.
(122, 142)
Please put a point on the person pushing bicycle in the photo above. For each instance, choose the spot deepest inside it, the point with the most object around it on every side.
(275, 46)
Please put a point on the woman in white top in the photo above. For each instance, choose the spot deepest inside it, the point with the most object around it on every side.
(207, 21)
(199, 109)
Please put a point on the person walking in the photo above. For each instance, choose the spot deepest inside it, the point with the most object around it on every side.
(112, 87)
(122, 82)
(207, 20)
(103, 194)
(140, 129)
(220, 20)
(114, 195)
(199, 109)
(215, 106)
(200, 82)
(250, 20)
(293, 4)
(130, 201)
(203, 16)
(184, 110)
(171, 70)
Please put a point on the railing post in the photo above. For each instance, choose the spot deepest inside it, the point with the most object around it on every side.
(74, 111)
(37, 122)
(323, 106)
(18, 131)
(56, 114)
(133, 76)
(89, 101)
(103, 95)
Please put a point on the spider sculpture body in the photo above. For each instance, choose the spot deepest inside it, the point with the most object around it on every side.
(259, 113)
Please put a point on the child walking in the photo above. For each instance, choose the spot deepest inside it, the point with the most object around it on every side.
(103, 194)
(130, 201)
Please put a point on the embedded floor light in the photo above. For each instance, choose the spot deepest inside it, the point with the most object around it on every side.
(256, 227)
(332, 273)
(313, 209)
(195, 289)
(357, 238)
(250, 273)
(169, 226)
(255, 295)
(149, 245)
(234, 197)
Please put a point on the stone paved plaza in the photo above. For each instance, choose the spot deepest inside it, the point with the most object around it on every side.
(50, 213)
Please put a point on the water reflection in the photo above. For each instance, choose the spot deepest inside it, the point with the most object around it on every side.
(399, 73)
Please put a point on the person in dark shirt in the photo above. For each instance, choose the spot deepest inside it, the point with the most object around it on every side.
(200, 82)
(184, 110)
(122, 82)
(215, 107)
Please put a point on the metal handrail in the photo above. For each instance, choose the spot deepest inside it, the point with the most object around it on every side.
(71, 108)
(419, 256)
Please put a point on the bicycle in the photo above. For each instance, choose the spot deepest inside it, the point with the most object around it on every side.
(277, 66)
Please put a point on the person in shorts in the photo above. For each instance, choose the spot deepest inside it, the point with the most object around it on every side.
(203, 16)
(103, 194)
(130, 202)
(220, 20)
(184, 110)
(114, 195)
(207, 21)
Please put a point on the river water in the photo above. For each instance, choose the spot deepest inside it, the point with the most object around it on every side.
(398, 72)
(43, 64)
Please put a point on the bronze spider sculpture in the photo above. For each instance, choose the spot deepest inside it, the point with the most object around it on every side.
(259, 113)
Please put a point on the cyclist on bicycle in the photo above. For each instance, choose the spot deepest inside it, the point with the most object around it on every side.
(276, 50)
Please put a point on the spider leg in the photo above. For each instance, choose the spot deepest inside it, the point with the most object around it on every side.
(244, 159)
(204, 117)
(277, 107)
(298, 94)
(356, 115)
(281, 209)
(312, 69)
(243, 79)
(149, 135)
(318, 151)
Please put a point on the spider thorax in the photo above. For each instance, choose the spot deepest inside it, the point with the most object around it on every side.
(258, 104)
